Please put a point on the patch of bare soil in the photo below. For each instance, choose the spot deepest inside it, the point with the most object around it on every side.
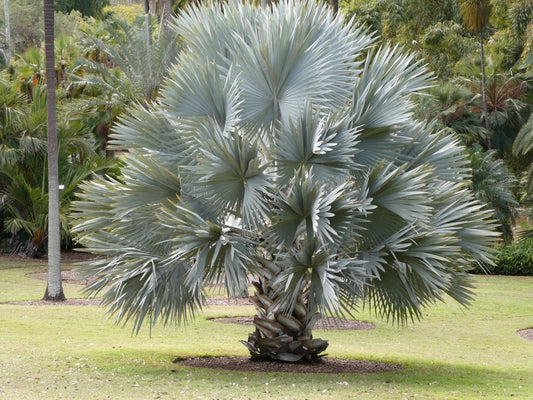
(67, 276)
(325, 323)
(526, 333)
(68, 302)
(324, 366)
(227, 301)
(67, 257)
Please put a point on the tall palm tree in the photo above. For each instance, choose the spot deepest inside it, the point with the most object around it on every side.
(283, 147)
(54, 287)
(334, 4)
(475, 14)
(166, 13)
(7, 52)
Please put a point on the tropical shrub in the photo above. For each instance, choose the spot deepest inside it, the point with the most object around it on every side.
(513, 259)
(493, 184)
(283, 146)
(23, 167)
(93, 8)
(126, 12)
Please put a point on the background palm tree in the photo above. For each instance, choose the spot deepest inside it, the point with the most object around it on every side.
(493, 184)
(452, 106)
(475, 14)
(7, 51)
(166, 13)
(54, 287)
(283, 146)
(506, 101)
(130, 64)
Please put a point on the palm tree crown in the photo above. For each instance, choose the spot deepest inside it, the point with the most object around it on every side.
(284, 147)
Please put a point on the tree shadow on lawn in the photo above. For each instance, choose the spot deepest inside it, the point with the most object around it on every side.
(436, 380)
(460, 380)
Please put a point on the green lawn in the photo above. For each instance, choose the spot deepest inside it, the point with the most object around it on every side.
(75, 352)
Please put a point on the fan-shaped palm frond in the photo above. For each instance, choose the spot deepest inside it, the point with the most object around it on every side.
(289, 160)
(323, 144)
(524, 140)
(140, 59)
(493, 184)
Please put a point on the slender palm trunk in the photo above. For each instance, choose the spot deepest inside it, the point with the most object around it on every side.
(54, 287)
(7, 30)
(484, 91)
(152, 5)
(166, 13)
(334, 5)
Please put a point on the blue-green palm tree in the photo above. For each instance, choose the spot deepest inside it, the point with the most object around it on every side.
(283, 147)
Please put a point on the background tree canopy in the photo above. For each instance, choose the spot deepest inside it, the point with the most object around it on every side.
(92, 8)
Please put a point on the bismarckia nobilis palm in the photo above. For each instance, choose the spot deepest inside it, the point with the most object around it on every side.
(283, 148)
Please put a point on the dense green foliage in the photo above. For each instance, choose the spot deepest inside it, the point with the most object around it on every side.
(493, 184)
(448, 36)
(435, 29)
(92, 8)
(23, 166)
(513, 259)
(90, 98)
(27, 29)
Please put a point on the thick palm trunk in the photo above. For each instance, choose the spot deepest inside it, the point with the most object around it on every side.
(484, 91)
(54, 288)
(279, 336)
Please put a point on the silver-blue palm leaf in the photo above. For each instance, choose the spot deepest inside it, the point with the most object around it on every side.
(288, 152)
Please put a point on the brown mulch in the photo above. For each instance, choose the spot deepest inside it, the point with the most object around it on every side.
(325, 323)
(324, 366)
(526, 333)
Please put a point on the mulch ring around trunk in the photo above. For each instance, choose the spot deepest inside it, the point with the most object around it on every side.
(526, 333)
(325, 323)
(324, 366)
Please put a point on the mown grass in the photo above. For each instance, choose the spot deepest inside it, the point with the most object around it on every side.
(76, 352)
